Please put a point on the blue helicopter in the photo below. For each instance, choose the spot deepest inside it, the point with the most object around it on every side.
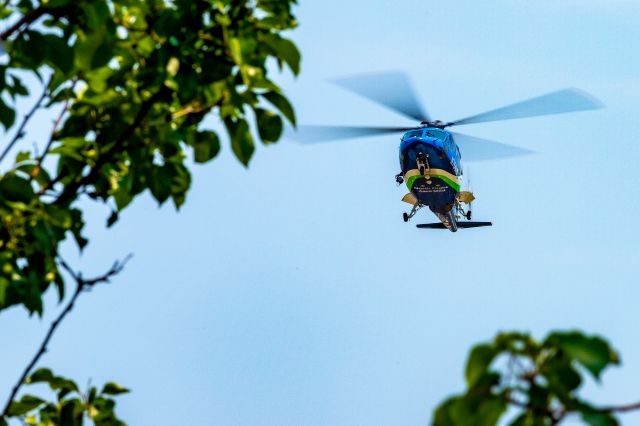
(430, 155)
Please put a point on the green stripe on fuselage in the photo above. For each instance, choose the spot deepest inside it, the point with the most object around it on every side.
(434, 174)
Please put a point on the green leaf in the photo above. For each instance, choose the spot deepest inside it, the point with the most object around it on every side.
(85, 48)
(61, 384)
(529, 419)
(180, 183)
(490, 411)
(40, 375)
(287, 51)
(7, 115)
(593, 353)
(96, 13)
(23, 156)
(173, 66)
(24, 405)
(450, 412)
(39, 174)
(562, 377)
(4, 285)
(206, 145)
(539, 396)
(18, 87)
(59, 282)
(282, 104)
(160, 184)
(59, 53)
(15, 188)
(122, 195)
(270, 125)
(54, 4)
(479, 361)
(599, 419)
(102, 55)
(28, 50)
(235, 49)
(113, 218)
(241, 140)
(113, 388)
(72, 412)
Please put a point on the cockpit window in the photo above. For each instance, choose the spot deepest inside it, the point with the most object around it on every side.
(438, 134)
(413, 134)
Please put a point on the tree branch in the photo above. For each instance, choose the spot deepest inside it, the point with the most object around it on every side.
(81, 285)
(56, 124)
(20, 133)
(621, 408)
(27, 19)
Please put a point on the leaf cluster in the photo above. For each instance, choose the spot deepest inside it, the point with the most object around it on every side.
(70, 406)
(133, 81)
(540, 380)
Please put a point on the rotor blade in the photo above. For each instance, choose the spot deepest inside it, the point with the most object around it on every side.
(391, 89)
(562, 101)
(313, 134)
(478, 149)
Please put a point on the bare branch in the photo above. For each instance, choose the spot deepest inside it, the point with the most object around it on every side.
(20, 133)
(81, 285)
(56, 124)
(621, 408)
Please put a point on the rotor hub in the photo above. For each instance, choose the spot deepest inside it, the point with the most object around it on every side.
(437, 124)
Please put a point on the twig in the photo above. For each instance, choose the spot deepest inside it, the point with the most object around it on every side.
(530, 407)
(27, 19)
(81, 285)
(557, 416)
(20, 133)
(56, 123)
(620, 408)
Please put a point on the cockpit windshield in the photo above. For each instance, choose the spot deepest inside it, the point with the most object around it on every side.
(413, 134)
(437, 134)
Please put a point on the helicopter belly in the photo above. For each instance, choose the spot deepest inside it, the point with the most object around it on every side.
(435, 193)
(436, 188)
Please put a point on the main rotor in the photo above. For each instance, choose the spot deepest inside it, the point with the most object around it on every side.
(394, 91)
(436, 124)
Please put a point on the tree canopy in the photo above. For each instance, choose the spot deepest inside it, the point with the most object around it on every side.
(130, 83)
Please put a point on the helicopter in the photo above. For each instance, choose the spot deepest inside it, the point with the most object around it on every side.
(429, 153)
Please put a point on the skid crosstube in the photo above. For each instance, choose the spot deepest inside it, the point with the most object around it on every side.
(460, 225)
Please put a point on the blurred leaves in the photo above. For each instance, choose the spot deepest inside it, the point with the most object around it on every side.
(70, 407)
(539, 380)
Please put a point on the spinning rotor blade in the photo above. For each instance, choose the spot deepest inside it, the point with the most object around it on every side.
(313, 134)
(562, 101)
(391, 89)
(478, 149)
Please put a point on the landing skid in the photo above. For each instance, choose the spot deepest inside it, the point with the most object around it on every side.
(413, 212)
(460, 225)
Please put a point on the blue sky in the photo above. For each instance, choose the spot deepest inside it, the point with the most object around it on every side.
(293, 294)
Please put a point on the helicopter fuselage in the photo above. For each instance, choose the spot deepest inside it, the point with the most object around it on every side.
(432, 168)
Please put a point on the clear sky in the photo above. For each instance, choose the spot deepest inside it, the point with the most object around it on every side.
(292, 293)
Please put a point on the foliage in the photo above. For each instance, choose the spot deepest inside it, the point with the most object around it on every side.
(131, 83)
(70, 407)
(540, 380)
(134, 80)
